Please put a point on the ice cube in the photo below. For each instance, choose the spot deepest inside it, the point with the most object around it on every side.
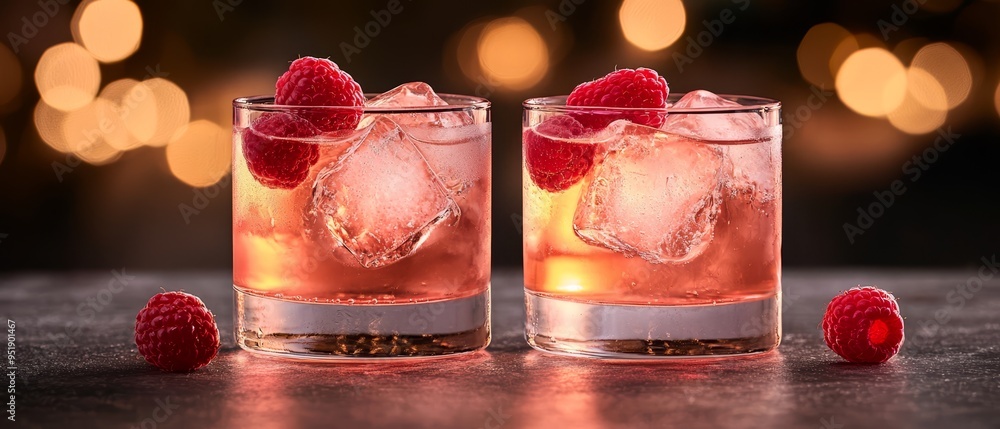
(756, 169)
(460, 155)
(653, 195)
(713, 126)
(380, 200)
(753, 149)
(417, 94)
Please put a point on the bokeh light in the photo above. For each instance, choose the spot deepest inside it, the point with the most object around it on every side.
(466, 48)
(512, 53)
(925, 106)
(116, 108)
(996, 99)
(948, 66)
(844, 49)
(940, 6)
(11, 76)
(156, 109)
(823, 46)
(3, 145)
(67, 76)
(84, 131)
(908, 48)
(868, 40)
(652, 25)
(199, 154)
(49, 123)
(110, 29)
(872, 82)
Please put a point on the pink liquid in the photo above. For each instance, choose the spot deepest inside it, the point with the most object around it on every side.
(740, 263)
(282, 249)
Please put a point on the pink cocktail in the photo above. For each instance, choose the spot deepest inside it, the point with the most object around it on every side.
(383, 249)
(668, 243)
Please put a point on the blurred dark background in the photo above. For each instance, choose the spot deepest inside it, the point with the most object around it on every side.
(95, 174)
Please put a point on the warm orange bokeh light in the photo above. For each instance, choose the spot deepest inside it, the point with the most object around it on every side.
(199, 154)
(49, 123)
(11, 77)
(908, 48)
(868, 40)
(652, 25)
(84, 130)
(948, 66)
(512, 53)
(116, 108)
(925, 106)
(3, 145)
(940, 6)
(67, 76)
(110, 29)
(158, 107)
(996, 99)
(872, 82)
(822, 50)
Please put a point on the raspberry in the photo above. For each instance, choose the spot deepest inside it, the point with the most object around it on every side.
(275, 162)
(175, 332)
(641, 87)
(555, 165)
(319, 82)
(863, 325)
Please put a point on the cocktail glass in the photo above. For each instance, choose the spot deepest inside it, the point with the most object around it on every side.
(669, 243)
(383, 249)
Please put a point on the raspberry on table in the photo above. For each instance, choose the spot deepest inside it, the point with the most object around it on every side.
(312, 81)
(863, 324)
(276, 162)
(556, 165)
(639, 88)
(176, 332)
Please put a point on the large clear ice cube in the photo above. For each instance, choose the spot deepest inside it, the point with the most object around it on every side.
(752, 148)
(381, 199)
(654, 195)
(453, 144)
(417, 94)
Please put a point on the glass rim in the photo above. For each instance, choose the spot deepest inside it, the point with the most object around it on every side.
(557, 103)
(265, 103)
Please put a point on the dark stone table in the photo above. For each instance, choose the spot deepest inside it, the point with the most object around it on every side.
(78, 367)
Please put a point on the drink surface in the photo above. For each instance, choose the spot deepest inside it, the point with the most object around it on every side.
(660, 219)
(395, 212)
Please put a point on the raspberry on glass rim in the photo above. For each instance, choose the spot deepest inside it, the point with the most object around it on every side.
(313, 82)
(556, 165)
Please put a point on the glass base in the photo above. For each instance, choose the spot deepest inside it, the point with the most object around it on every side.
(647, 331)
(314, 331)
